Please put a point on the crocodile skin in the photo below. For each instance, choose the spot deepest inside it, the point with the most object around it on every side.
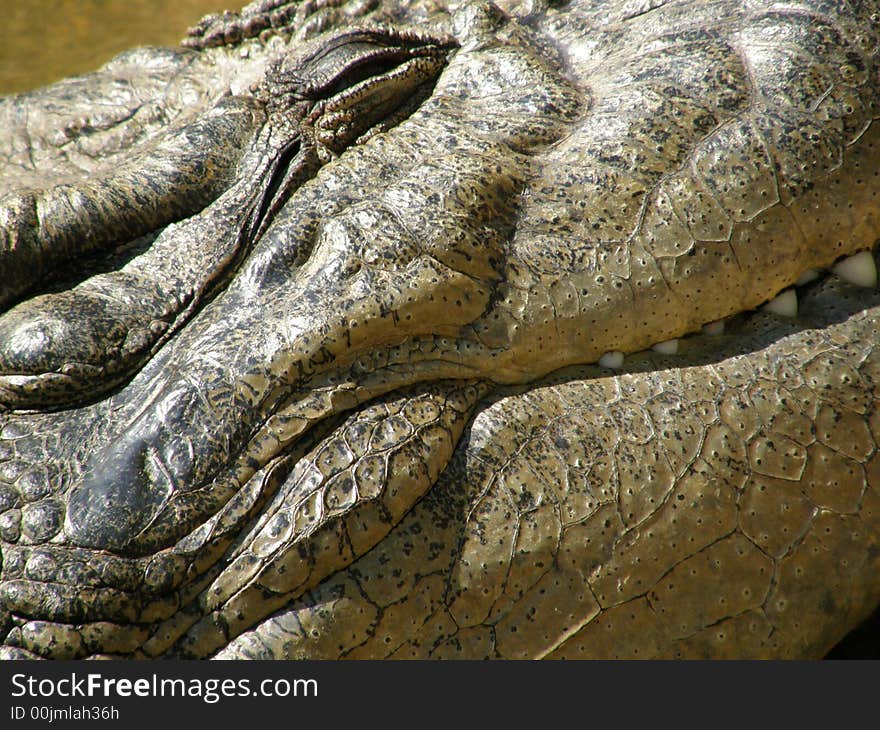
(372, 424)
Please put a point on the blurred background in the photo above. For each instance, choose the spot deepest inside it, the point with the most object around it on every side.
(42, 41)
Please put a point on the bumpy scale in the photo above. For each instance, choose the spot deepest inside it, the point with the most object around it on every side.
(369, 425)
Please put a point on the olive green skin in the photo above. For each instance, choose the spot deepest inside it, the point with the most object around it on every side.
(382, 432)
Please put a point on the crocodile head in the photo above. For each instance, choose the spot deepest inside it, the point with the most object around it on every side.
(346, 267)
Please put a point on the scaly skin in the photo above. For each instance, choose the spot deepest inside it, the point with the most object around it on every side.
(580, 180)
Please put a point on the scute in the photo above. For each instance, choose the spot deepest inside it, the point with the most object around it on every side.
(478, 331)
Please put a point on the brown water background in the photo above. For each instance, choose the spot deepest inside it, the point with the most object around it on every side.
(42, 41)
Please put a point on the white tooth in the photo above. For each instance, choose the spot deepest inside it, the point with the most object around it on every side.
(858, 269)
(808, 276)
(670, 347)
(785, 304)
(713, 329)
(612, 360)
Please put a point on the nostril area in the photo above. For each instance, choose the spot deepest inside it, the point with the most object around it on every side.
(123, 489)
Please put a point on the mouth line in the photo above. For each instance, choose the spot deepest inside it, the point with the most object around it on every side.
(291, 412)
(829, 299)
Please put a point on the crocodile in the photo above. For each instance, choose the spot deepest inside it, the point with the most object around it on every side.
(426, 329)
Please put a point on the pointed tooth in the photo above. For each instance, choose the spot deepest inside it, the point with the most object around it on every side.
(669, 347)
(612, 360)
(808, 276)
(858, 269)
(713, 329)
(785, 304)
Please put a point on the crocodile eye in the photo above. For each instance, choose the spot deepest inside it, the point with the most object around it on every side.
(345, 65)
(343, 61)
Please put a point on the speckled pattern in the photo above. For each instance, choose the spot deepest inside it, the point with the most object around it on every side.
(338, 399)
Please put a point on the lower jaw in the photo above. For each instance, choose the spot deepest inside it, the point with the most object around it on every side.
(199, 560)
